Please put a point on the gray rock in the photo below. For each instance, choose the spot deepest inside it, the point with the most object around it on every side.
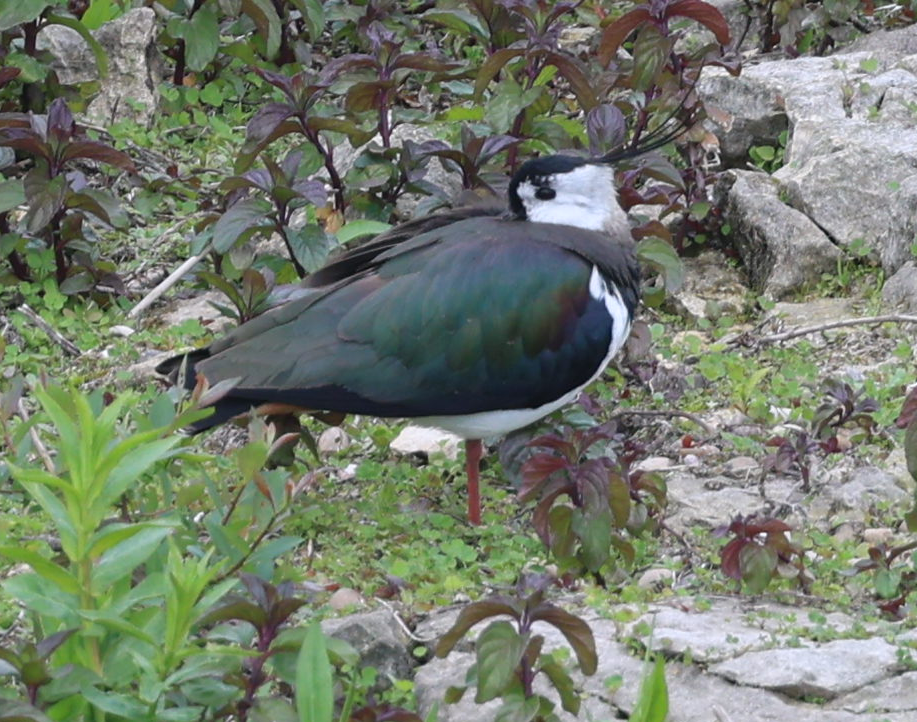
(901, 289)
(131, 89)
(814, 311)
(713, 287)
(426, 441)
(822, 670)
(857, 181)
(902, 41)
(865, 488)
(379, 639)
(333, 439)
(782, 249)
(706, 502)
(710, 635)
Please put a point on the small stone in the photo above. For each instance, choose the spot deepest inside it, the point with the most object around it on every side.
(741, 465)
(691, 460)
(845, 532)
(345, 598)
(124, 331)
(422, 440)
(655, 578)
(655, 463)
(332, 440)
(878, 535)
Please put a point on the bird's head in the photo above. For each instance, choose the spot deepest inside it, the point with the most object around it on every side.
(580, 191)
(567, 190)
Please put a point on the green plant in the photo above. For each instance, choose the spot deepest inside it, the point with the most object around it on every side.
(60, 204)
(768, 157)
(760, 552)
(509, 655)
(604, 499)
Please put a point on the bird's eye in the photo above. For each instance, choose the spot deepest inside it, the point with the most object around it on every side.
(544, 193)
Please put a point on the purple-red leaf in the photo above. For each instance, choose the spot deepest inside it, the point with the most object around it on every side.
(61, 125)
(704, 13)
(535, 472)
(616, 33)
(575, 74)
(471, 615)
(94, 150)
(576, 631)
(493, 65)
(729, 558)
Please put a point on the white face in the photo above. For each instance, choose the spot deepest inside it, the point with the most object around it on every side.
(584, 197)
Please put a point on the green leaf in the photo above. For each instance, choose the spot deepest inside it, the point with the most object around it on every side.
(268, 23)
(120, 705)
(134, 464)
(563, 683)
(887, 583)
(310, 245)
(653, 703)
(314, 688)
(363, 227)
(12, 194)
(493, 65)
(238, 222)
(518, 708)
(126, 556)
(45, 203)
(499, 651)
(757, 564)
(16, 12)
(910, 448)
(202, 37)
(99, 13)
(662, 257)
(117, 623)
(43, 567)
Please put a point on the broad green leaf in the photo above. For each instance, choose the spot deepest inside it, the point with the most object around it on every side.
(268, 23)
(362, 227)
(117, 623)
(272, 709)
(314, 689)
(11, 194)
(44, 567)
(887, 583)
(202, 37)
(499, 650)
(310, 244)
(134, 465)
(123, 558)
(910, 448)
(16, 12)
(653, 703)
(120, 705)
(99, 13)
(45, 203)
(563, 683)
(518, 708)
(662, 257)
(238, 222)
(757, 564)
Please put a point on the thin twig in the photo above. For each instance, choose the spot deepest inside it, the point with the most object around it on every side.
(36, 440)
(668, 414)
(806, 330)
(403, 624)
(69, 347)
(165, 285)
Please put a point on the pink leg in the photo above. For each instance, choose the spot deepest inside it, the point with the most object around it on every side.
(472, 468)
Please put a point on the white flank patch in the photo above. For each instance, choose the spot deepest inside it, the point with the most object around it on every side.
(498, 423)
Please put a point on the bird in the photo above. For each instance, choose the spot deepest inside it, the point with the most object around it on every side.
(477, 321)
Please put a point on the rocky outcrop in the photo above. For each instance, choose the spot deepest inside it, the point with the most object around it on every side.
(849, 178)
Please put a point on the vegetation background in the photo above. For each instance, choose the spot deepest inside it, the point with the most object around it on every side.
(152, 577)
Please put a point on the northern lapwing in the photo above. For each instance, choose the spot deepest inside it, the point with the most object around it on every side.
(472, 321)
